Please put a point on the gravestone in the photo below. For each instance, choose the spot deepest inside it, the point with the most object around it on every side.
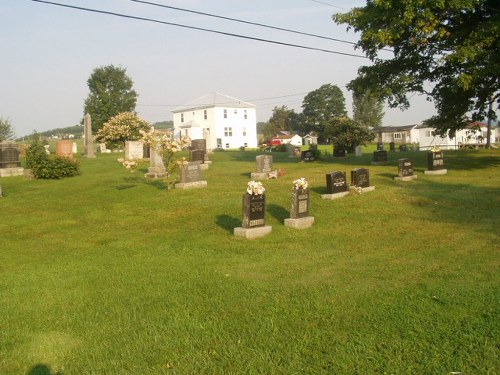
(307, 155)
(299, 212)
(200, 144)
(405, 170)
(264, 167)
(103, 149)
(254, 217)
(360, 180)
(64, 148)
(191, 176)
(156, 166)
(339, 153)
(380, 146)
(435, 163)
(89, 140)
(198, 156)
(392, 146)
(358, 151)
(403, 148)
(379, 157)
(74, 148)
(134, 150)
(10, 164)
(336, 185)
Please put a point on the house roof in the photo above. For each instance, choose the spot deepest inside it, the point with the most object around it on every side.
(392, 129)
(213, 99)
(286, 136)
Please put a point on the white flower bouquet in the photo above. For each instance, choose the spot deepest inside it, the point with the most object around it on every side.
(300, 184)
(255, 188)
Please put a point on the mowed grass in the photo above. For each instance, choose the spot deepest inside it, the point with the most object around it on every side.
(109, 273)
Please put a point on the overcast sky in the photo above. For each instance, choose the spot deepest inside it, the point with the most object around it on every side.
(49, 52)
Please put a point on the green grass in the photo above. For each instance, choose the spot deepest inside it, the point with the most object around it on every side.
(108, 273)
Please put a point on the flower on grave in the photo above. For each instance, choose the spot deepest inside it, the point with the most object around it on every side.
(435, 149)
(255, 188)
(300, 184)
(130, 164)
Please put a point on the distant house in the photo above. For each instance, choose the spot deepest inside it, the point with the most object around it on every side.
(285, 138)
(397, 134)
(310, 139)
(224, 122)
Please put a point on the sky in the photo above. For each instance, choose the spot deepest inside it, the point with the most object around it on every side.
(48, 53)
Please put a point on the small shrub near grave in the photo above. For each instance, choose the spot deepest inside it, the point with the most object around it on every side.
(45, 167)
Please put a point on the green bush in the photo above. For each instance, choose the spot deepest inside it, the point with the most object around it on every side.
(45, 167)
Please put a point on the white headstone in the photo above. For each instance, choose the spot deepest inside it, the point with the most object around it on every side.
(134, 150)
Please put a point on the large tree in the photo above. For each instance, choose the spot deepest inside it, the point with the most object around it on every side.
(111, 93)
(126, 126)
(367, 109)
(319, 107)
(6, 131)
(282, 119)
(447, 50)
(346, 133)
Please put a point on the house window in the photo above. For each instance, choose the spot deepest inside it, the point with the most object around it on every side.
(228, 132)
(227, 145)
(205, 116)
(245, 144)
(397, 135)
(429, 133)
(225, 113)
(235, 111)
(245, 114)
(244, 132)
(182, 117)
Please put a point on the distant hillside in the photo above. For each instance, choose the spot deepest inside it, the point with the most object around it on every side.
(163, 125)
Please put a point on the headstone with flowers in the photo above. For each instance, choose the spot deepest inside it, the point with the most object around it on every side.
(405, 170)
(191, 176)
(254, 212)
(360, 181)
(299, 213)
(435, 162)
(336, 185)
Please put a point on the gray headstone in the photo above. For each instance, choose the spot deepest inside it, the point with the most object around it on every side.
(9, 155)
(300, 203)
(264, 163)
(191, 172)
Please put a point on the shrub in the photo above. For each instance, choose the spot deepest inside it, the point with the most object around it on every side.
(45, 167)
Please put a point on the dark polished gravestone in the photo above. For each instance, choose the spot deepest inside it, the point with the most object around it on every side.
(10, 163)
(254, 217)
(336, 185)
(435, 163)
(405, 170)
(339, 153)
(299, 212)
(191, 177)
(307, 155)
(197, 155)
(392, 146)
(380, 146)
(379, 157)
(403, 148)
(360, 180)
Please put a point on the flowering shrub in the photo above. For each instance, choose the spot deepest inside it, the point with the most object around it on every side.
(300, 183)
(255, 188)
(125, 126)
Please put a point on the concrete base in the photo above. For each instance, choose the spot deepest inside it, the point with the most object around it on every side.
(439, 171)
(379, 162)
(204, 166)
(334, 196)
(406, 178)
(8, 172)
(252, 233)
(191, 185)
(361, 190)
(264, 175)
(302, 223)
(155, 175)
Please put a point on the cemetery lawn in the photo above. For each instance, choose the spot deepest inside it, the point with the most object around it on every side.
(109, 273)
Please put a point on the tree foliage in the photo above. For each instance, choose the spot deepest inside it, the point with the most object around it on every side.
(44, 166)
(282, 119)
(6, 131)
(447, 50)
(319, 107)
(367, 109)
(123, 127)
(111, 93)
(346, 133)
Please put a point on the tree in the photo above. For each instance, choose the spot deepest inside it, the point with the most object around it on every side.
(123, 127)
(319, 107)
(346, 133)
(6, 131)
(282, 119)
(367, 109)
(111, 93)
(450, 46)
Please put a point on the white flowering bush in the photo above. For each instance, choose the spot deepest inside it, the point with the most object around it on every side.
(300, 184)
(255, 188)
(125, 126)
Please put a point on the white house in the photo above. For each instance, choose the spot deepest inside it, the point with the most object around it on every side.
(224, 122)
(286, 138)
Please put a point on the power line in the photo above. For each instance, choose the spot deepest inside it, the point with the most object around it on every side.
(243, 21)
(198, 28)
(328, 4)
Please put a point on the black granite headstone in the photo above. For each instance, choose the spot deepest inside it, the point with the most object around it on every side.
(360, 177)
(339, 153)
(197, 156)
(435, 160)
(307, 155)
(392, 146)
(380, 156)
(9, 155)
(254, 210)
(405, 167)
(336, 182)
(403, 148)
(380, 146)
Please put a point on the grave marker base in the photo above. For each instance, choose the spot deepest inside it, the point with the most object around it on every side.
(264, 175)
(252, 233)
(406, 178)
(9, 172)
(361, 190)
(302, 223)
(438, 171)
(191, 185)
(204, 166)
(155, 175)
(334, 196)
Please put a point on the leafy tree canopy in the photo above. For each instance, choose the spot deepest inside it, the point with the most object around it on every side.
(126, 126)
(346, 133)
(319, 107)
(111, 93)
(367, 109)
(447, 50)
(6, 131)
(282, 119)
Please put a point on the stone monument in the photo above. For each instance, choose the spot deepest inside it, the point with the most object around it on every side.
(360, 180)
(264, 168)
(191, 177)
(10, 164)
(336, 185)
(300, 201)
(254, 213)
(405, 170)
(435, 162)
(89, 140)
